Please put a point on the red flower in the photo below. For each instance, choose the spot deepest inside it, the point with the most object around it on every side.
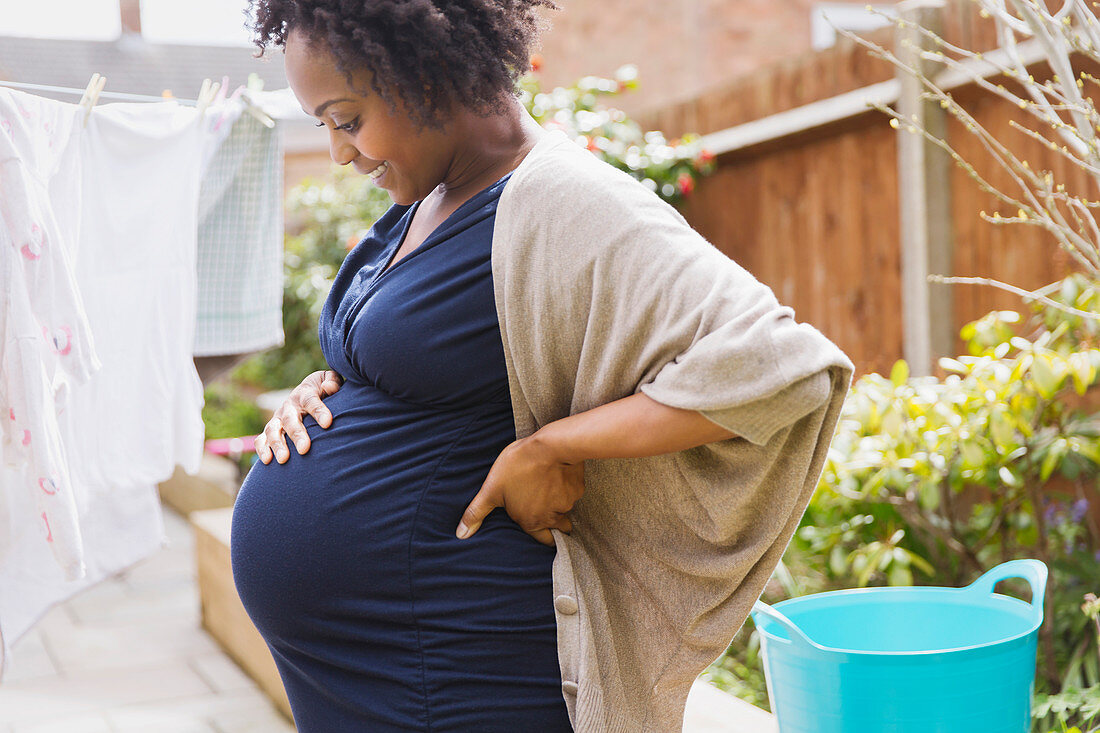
(536, 62)
(705, 156)
(686, 184)
(592, 145)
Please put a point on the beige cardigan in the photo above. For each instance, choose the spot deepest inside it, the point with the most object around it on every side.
(603, 290)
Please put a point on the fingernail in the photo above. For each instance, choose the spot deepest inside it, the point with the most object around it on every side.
(301, 445)
(463, 531)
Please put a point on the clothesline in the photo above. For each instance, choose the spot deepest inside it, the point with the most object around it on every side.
(250, 105)
(109, 95)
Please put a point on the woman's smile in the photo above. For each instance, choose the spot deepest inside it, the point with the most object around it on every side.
(379, 173)
(373, 171)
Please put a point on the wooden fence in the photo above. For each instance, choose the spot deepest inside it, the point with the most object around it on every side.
(808, 197)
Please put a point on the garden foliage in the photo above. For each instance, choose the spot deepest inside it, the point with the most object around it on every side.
(667, 167)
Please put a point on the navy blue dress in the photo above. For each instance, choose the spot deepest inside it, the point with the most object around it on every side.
(377, 616)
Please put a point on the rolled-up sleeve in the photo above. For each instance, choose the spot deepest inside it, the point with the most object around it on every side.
(758, 421)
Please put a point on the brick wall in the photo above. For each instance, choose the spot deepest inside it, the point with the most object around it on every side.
(680, 47)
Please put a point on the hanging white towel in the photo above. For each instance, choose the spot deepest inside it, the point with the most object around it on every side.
(136, 269)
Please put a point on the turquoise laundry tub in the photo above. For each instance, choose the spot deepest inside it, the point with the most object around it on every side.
(905, 659)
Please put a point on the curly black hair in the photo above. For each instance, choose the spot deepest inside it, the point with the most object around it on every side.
(431, 52)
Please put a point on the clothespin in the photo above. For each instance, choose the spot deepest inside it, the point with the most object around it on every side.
(255, 84)
(200, 99)
(91, 95)
(221, 92)
(225, 102)
(254, 109)
(206, 95)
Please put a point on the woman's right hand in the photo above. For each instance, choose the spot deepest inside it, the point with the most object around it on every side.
(306, 397)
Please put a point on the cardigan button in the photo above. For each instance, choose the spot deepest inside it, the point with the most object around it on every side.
(569, 687)
(566, 604)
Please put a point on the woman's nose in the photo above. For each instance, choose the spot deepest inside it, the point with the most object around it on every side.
(340, 150)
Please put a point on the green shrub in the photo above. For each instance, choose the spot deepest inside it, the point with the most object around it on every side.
(227, 414)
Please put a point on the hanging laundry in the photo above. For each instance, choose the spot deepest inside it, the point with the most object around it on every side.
(45, 339)
(240, 241)
(136, 266)
(114, 400)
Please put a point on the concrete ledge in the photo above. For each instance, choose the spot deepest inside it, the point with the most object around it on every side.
(710, 710)
(213, 487)
(223, 615)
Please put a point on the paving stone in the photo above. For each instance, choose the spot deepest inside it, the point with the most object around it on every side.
(204, 713)
(163, 568)
(150, 641)
(77, 724)
(29, 658)
(57, 617)
(120, 604)
(221, 672)
(44, 699)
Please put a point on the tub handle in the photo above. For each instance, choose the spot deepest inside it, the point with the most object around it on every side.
(796, 633)
(1033, 571)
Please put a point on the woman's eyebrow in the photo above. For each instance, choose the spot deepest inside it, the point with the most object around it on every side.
(317, 112)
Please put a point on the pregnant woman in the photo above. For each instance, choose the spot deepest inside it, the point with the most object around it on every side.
(525, 502)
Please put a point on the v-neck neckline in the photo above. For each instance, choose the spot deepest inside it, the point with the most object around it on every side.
(415, 207)
(352, 313)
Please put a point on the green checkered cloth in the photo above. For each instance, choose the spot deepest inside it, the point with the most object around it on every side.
(240, 243)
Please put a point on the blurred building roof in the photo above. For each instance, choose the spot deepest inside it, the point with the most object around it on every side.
(133, 65)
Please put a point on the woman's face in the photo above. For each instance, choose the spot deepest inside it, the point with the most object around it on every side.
(362, 129)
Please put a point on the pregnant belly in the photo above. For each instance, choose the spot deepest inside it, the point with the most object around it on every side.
(359, 531)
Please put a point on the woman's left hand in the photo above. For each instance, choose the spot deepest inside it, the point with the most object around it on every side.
(539, 478)
(534, 486)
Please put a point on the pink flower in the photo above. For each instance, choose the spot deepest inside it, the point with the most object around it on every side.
(686, 184)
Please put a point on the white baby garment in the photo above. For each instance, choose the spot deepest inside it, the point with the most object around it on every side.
(46, 345)
(136, 268)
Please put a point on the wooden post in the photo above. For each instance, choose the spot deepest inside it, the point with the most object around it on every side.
(924, 174)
